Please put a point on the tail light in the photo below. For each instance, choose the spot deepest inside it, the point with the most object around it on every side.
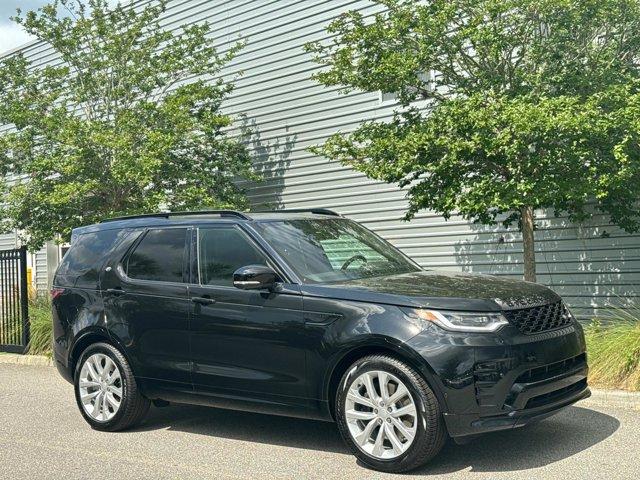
(56, 292)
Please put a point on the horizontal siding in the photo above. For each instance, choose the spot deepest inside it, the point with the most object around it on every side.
(7, 241)
(41, 271)
(288, 112)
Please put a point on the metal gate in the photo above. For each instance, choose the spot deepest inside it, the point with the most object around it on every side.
(14, 301)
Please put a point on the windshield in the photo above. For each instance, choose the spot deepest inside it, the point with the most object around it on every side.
(333, 250)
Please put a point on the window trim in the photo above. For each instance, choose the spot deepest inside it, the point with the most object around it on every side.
(62, 246)
(195, 277)
(123, 264)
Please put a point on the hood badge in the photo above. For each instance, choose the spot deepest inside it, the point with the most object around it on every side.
(517, 303)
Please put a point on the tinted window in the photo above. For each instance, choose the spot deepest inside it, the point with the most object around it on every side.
(88, 252)
(222, 252)
(159, 256)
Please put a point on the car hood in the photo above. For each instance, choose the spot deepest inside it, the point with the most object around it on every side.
(440, 289)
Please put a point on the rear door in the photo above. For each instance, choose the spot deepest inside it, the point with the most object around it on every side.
(147, 307)
(245, 343)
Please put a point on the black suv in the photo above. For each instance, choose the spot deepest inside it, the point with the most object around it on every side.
(306, 313)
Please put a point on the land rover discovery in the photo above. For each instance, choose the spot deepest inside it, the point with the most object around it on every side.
(309, 314)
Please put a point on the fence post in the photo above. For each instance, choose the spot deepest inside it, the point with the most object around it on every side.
(24, 299)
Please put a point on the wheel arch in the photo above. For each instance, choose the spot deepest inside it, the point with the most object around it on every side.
(388, 347)
(87, 338)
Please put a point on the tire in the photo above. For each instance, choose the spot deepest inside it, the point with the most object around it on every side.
(132, 405)
(426, 424)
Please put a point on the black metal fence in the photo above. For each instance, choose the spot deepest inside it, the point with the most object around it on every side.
(14, 301)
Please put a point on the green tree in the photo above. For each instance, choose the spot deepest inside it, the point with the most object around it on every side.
(126, 120)
(521, 105)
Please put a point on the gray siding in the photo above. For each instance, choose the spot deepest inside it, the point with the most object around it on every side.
(288, 112)
(7, 241)
(41, 280)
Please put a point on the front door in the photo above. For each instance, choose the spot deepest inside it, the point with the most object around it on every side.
(245, 343)
(147, 306)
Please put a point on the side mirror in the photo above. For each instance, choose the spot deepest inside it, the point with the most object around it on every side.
(254, 277)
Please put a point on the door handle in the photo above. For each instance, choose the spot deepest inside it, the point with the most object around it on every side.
(203, 300)
(115, 291)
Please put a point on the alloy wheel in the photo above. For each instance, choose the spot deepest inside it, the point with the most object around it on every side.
(100, 386)
(381, 414)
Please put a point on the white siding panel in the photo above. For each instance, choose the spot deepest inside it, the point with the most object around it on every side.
(7, 241)
(41, 272)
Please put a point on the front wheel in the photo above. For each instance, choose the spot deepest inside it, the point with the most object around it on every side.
(388, 415)
(106, 390)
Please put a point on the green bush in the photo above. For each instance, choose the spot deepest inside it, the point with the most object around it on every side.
(41, 326)
(613, 350)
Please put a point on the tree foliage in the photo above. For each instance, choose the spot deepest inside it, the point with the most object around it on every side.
(506, 105)
(125, 120)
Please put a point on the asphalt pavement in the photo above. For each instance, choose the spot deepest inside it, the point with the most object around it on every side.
(43, 436)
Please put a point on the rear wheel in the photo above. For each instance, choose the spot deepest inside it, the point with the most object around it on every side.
(388, 415)
(106, 390)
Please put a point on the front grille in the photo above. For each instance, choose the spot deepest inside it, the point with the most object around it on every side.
(539, 319)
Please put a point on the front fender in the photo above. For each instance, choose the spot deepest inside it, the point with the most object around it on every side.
(339, 332)
(384, 345)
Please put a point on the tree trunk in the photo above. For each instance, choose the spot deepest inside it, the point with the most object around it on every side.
(528, 244)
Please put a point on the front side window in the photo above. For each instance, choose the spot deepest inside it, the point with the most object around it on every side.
(222, 251)
(159, 256)
(333, 250)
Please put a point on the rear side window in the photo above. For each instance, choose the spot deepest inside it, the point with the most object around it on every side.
(81, 265)
(159, 256)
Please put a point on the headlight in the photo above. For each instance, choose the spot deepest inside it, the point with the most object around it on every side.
(463, 321)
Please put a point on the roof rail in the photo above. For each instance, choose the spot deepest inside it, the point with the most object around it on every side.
(318, 211)
(222, 213)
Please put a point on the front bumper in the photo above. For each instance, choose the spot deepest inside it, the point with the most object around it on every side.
(472, 424)
(489, 382)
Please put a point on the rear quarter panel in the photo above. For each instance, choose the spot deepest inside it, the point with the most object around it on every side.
(79, 310)
(76, 312)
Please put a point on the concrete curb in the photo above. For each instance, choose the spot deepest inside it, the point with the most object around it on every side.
(16, 359)
(599, 398)
(613, 398)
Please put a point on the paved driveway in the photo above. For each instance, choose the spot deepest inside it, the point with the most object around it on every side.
(42, 436)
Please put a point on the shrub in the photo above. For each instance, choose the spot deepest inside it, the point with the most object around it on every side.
(614, 352)
(41, 326)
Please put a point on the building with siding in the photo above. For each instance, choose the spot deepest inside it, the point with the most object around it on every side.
(593, 265)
